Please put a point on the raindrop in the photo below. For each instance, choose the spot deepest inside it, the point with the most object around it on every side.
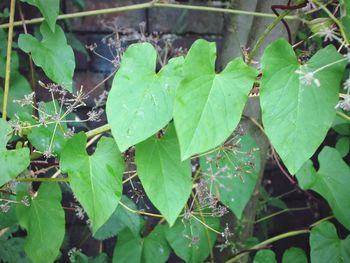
(154, 101)
(128, 133)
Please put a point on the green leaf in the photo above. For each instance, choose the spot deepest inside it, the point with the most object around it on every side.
(189, 238)
(232, 171)
(330, 182)
(14, 60)
(203, 95)
(296, 116)
(345, 14)
(49, 9)
(44, 222)
(11, 250)
(9, 218)
(12, 162)
(294, 255)
(151, 249)
(265, 256)
(120, 219)
(326, 246)
(167, 181)
(52, 54)
(343, 146)
(96, 180)
(18, 88)
(141, 101)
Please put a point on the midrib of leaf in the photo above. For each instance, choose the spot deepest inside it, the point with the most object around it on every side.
(92, 189)
(202, 112)
(163, 173)
(38, 220)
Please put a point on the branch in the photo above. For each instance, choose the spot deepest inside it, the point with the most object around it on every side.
(8, 59)
(146, 6)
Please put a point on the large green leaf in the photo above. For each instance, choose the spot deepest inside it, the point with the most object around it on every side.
(45, 224)
(190, 239)
(232, 171)
(208, 106)
(12, 162)
(96, 180)
(141, 101)
(294, 255)
(120, 219)
(265, 256)
(326, 247)
(151, 249)
(166, 179)
(297, 116)
(49, 9)
(52, 54)
(330, 181)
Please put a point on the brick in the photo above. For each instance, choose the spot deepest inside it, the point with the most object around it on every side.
(89, 80)
(178, 21)
(98, 23)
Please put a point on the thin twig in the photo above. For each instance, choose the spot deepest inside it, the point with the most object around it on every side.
(148, 5)
(8, 60)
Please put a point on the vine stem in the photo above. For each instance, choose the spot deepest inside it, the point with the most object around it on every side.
(278, 237)
(343, 115)
(148, 5)
(281, 212)
(139, 212)
(8, 59)
(266, 33)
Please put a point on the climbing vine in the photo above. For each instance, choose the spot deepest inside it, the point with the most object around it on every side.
(173, 139)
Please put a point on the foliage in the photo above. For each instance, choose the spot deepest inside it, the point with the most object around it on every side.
(176, 139)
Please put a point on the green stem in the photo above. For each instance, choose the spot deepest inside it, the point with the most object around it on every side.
(8, 59)
(269, 241)
(52, 180)
(99, 130)
(335, 20)
(146, 6)
(205, 225)
(343, 115)
(265, 34)
(276, 238)
(281, 212)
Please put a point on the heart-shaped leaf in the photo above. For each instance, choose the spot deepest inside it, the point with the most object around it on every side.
(151, 249)
(49, 9)
(167, 181)
(96, 180)
(191, 240)
(141, 101)
(121, 219)
(294, 255)
(44, 222)
(326, 246)
(208, 106)
(330, 182)
(231, 172)
(298, 101)
(52, 54)
(12, 162)
(265, 256)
